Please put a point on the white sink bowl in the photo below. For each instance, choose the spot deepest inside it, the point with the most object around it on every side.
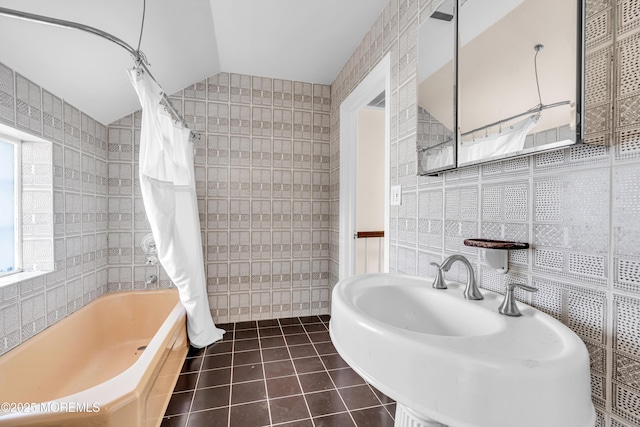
(460, 362)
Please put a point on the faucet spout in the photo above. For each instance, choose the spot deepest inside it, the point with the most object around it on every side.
(471, 291)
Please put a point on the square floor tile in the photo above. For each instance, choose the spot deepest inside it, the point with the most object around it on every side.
(254, 414)
(377, 416)
(336, 420)
(226, 326)
(300, 423)
(268, 342)
(209, 418)
(293, 329)
(278, 369)
(276, 353)
(345, 377)
(288, 409)
(244, 345)
(251, 324)
(358, 397)
(248, 392)
(325, 348)
(186, 382)
(333, 361)
(304, 350)
(229, 335)
(297, 339)
(324, 403)
(214, 377)
(244, 373)
(194, 352)
(310, 319)
(289, 321)
(220, 347)
(317, 381)
(180, 403)
(174, 421)
(308, 364)
(283, 386)
(315, 327)
(267, 323)
(318, 337)
(270, 332)
(246, 334)
(217, 361)
(247, 358)
(209, 398)
(192, 364)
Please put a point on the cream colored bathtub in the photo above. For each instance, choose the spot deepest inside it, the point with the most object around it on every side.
(92, 368)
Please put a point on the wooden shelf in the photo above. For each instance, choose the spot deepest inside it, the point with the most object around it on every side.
(369, 234)
(495, 244)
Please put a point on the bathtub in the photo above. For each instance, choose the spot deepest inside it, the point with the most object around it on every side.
(114, 363)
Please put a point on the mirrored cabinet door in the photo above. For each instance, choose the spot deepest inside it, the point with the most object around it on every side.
(519, 77)
(436, 141)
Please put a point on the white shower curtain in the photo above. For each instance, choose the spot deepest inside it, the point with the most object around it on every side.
(506, 141)
(167, 181)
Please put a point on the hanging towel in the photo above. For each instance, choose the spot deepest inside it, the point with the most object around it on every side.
(167, 181)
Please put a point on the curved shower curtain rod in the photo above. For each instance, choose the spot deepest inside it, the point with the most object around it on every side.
(137, 55)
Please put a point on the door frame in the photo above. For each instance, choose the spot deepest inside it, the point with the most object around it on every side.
(378, 80)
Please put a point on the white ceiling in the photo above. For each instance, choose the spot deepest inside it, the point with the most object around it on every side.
(184, 40)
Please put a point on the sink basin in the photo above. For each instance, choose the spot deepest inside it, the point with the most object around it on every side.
(460, 362)
(420, 312)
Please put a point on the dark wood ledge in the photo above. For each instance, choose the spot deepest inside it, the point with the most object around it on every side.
(495, 244)
(369, 234)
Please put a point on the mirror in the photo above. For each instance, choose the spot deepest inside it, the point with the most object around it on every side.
(436, 142)
(519, 77)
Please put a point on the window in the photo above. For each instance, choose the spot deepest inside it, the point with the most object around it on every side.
(10, 207)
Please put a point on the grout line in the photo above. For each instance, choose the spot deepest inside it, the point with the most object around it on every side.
(264, 376)
(233, 346)
(295, 370)
(330, 377)
(195, 388)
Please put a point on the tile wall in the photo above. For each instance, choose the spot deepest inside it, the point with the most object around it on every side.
(578, 207)
(69, 173)
(262, 171)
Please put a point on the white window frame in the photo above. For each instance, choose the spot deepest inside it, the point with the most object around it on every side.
(17, 159)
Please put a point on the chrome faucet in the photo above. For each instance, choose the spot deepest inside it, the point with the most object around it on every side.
(151, 280)
(471, 291)
(508, 306)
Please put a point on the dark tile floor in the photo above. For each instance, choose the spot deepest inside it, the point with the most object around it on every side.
(283, 373)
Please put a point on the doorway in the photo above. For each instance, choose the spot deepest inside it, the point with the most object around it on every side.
(378, 81)
(370, 188)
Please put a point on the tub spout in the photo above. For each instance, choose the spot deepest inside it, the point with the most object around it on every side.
(151, 280)
(471, 291)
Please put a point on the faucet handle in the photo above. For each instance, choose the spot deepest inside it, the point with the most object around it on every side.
(438, 283)
(508, 306)
(512, 286)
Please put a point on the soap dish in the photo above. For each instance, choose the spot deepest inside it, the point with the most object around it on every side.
(496, 252)
(495, 244)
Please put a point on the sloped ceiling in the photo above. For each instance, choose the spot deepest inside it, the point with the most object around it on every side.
(185, 41)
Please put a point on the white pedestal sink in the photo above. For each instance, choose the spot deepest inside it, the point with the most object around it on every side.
(457, 362)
